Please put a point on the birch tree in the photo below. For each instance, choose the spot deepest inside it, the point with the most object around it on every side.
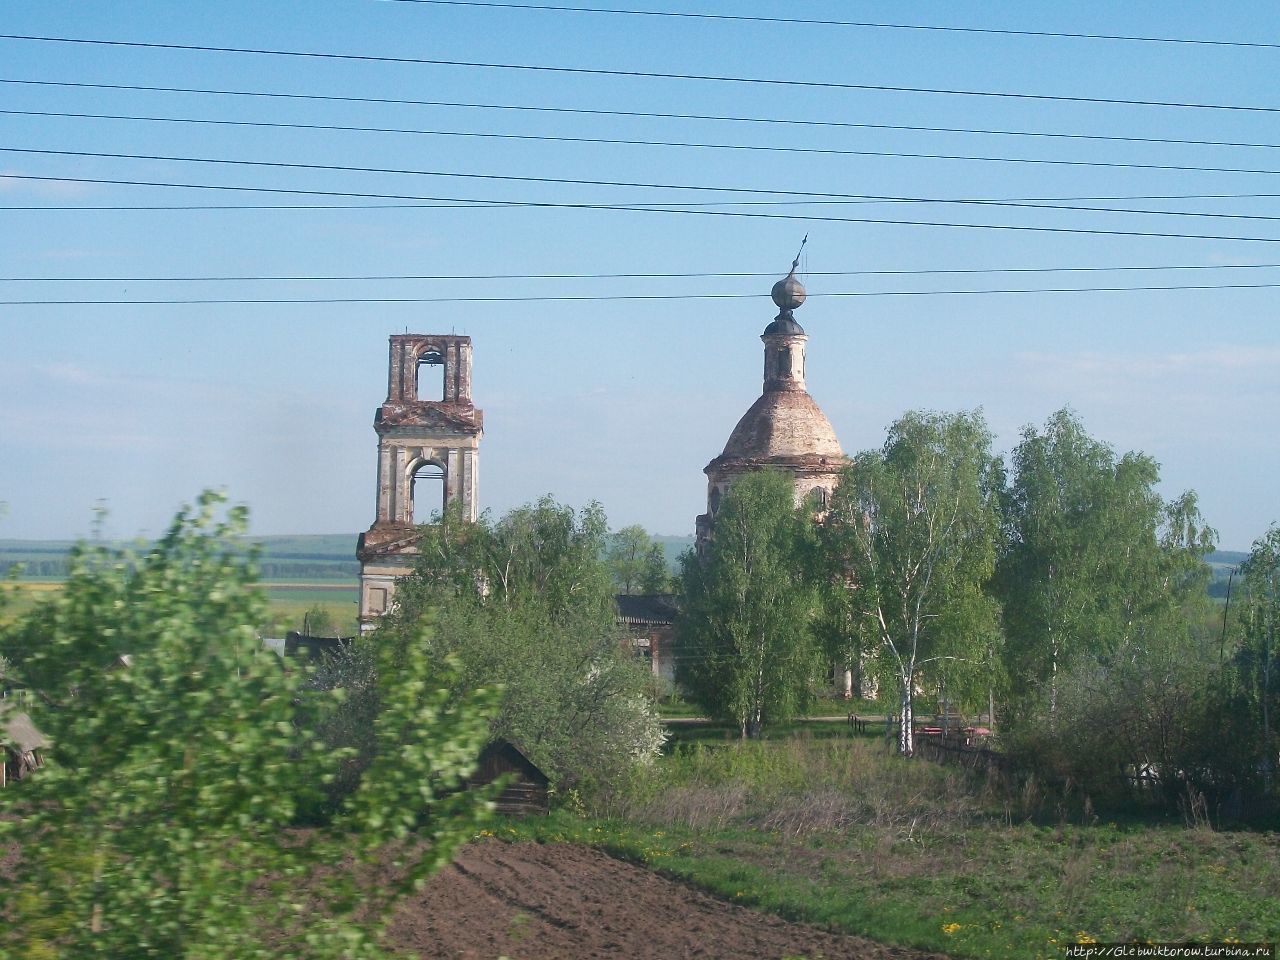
(1093, 559)
(913, 527)
(746, 651)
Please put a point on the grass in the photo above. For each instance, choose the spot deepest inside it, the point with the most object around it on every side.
(287, 603)
(836, 832)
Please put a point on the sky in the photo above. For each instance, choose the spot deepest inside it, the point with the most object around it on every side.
(114, 392)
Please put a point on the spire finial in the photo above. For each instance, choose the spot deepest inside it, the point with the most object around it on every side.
(788, 293)
(796, 262)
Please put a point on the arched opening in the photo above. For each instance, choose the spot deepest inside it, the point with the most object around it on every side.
(430, 376)
(819, 499)
(714, 500)
(426, 492)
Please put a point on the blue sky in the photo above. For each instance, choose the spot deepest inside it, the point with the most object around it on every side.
(624, 401)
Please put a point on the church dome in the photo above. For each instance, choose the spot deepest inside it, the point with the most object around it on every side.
(783, 424)
(788, 293)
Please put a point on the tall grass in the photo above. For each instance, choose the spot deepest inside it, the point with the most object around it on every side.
(800, 786)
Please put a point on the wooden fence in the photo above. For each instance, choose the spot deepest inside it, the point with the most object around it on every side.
(949, 750)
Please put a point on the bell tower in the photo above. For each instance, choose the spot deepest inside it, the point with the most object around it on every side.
(428, 447)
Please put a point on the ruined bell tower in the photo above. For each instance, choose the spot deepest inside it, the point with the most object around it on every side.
(428, 447)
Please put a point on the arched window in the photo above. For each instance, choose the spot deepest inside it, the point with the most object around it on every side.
(819, 498)
(714, 500)
(430, 375)
(426, 492)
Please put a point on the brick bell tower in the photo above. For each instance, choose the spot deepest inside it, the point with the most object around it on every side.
(428, 448)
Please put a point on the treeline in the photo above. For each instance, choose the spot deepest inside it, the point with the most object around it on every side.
(1057, 593)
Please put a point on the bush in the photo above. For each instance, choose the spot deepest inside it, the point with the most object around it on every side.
(162, 824)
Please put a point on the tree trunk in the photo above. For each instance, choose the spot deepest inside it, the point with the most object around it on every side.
(906, 735)
(1268, 751)
(1053, 681)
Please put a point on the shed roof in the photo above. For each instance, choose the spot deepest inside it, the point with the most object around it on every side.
(17, 729)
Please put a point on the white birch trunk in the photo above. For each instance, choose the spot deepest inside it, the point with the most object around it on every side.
(906, 733)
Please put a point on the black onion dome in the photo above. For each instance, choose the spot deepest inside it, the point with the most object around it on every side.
(788, 293)
(783, 324)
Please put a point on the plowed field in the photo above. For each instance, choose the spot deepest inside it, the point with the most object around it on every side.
(529, 901)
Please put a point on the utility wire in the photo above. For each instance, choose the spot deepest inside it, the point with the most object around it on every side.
(878, 25)
(1041, 202)
(618, 113)
(649, 276)
(807, 218)
(591, 298)
(968, 158)
(585, 71)
(466, 175)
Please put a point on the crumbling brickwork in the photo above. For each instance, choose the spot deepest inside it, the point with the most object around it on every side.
(784, 429)
(422, 441)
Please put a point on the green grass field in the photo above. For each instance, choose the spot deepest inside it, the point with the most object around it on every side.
(287, 603)
(836, 831)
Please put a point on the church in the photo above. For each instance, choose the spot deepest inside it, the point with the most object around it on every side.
(429, 435)
(784, 429)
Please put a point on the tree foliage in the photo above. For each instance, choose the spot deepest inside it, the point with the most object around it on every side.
(1258, 658)
(745, 647)
(527, 602)
(1093, 558)
(162, 824)
(637, 563)
(911, 532)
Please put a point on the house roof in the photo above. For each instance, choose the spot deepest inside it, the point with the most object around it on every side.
(646, 609)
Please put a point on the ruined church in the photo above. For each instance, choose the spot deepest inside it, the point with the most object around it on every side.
(784, 429)
(428, 457)
(429, 433)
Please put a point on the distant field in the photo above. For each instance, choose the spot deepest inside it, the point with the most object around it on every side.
(288, 603)
(326, 593)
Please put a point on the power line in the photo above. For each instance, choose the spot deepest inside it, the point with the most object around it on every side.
(1040, 134)
(1102, 164)
(650, 276)
(1034, 202)
(212, 301)
(807, 218)
(878, 25)
(586, 71)
(467, 175)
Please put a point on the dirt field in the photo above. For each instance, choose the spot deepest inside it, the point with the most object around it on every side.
(529, 901)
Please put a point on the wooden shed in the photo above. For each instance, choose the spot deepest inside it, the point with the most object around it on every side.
(23, 745)
(527, 790)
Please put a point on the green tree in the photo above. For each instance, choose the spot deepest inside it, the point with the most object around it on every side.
(746, 652)
(1259, 655)
(317, 622)
(527, 602)
(912, 530)
(637, 563)
(1093, 559)
(162, 824)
